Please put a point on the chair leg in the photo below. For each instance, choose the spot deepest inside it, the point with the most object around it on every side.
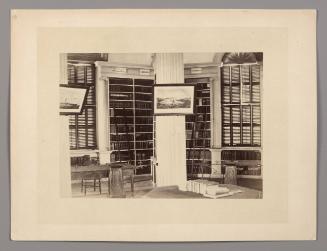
(94, 183)
(82, 186)
(100, 185)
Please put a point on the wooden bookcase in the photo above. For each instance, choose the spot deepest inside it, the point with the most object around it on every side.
(131, 121)
(198, 130)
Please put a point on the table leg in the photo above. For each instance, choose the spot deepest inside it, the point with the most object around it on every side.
(132, 184)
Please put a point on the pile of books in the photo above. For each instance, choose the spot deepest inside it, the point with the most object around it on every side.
(209, 189)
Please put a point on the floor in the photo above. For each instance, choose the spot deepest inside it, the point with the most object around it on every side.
(145, 189)
(140, 189)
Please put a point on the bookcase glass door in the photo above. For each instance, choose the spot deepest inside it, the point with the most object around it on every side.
(131, 122)
(198, 130)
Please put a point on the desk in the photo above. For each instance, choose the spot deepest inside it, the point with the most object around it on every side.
(115, 172)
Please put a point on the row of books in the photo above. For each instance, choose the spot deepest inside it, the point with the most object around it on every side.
(145, 89)
(121, 104)
(115, 129)
(143, 136)
(121, 112)
(198, 154)
(144, 128)
(121, 145)
(143, 144)
(143, 155)
(121, 120)
(202, 109)
(143, 105)
(121, 137)
(144, 113)
(202, 101)
(200, 143)
(240, 155)
(120, 88)
(121, 96)
(198, 134)
(198, 126)
(121, 156)
(203, 94)
(143, 120)
(142, 96)
(198, 118)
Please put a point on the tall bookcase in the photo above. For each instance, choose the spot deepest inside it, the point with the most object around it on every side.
(131, 121)
(198, 130)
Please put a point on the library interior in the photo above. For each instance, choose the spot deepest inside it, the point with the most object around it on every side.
(163, 125)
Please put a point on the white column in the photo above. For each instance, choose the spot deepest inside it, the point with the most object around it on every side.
(170, 130)
(216, 121)
(216, 128)
(64, 158)
(102, 117)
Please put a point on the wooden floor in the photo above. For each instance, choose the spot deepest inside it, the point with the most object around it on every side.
(145, 189)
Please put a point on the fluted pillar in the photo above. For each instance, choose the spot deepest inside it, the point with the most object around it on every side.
(102, 117)
(170, 130)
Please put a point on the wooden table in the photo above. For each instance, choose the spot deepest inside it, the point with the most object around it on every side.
(115, 172)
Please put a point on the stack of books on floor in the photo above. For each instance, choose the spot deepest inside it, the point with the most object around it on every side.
(209, 189)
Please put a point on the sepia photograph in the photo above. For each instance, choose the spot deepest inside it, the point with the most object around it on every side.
(156, 125)
(216, 98)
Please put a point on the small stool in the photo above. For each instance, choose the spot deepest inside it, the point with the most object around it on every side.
(91, 180)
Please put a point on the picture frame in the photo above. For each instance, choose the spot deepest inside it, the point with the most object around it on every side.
(173, 99)
(72, 99)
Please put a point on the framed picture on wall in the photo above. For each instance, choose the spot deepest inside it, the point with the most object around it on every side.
(174, 99)
(72, 99)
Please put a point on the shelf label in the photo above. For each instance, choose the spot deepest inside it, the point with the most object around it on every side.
(145, 72)
(196, 70)
(120, 70)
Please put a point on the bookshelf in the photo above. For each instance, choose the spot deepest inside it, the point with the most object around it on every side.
(198, 130)
(131, 121)
(248, 162)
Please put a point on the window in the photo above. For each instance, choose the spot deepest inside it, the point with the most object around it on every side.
(240, 98)
(82, 128)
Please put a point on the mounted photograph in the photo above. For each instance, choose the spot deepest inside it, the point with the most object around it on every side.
(173, 99)
(143, 108)
(162, 125)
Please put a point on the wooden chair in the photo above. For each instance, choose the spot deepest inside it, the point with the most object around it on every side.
(91, 179)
